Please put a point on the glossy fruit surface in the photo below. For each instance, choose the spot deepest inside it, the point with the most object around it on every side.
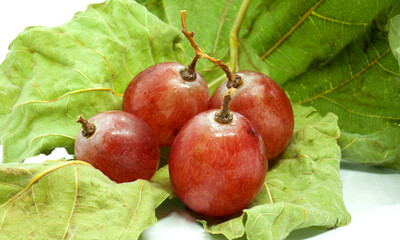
(266, 105)
(123, 147)
(217, 169)
(164, 100)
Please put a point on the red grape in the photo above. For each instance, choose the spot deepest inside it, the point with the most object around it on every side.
(163, 99)
(122, 146)
(266, 105)
(217, 169)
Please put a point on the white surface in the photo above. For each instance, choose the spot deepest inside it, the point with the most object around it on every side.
(371, 195)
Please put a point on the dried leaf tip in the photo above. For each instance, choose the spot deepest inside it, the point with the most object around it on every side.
(88, 129)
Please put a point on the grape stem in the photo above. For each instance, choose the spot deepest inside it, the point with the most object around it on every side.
(88, 128)
(233, 80)
(224, 115)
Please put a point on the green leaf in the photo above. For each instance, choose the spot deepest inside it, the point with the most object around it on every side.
(72, 200)
(161, 177)
(302, 189)
(290, 36)
(52, 75)
(362, 86)
(231, 229)
(394, 36)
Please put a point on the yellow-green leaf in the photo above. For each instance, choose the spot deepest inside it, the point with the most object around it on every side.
(72, 200)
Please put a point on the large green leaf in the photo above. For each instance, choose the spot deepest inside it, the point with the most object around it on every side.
(302, 189)
(72, 200)
(361, 85)
(292, 35)
(287, 35)
(52, 75)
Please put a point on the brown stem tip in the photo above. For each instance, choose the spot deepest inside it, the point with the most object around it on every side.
(88, 128)
(188, 75)
(224, 115)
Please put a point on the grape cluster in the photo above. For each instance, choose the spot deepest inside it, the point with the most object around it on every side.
(220, 145)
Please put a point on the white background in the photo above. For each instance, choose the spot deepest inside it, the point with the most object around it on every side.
(371, 195)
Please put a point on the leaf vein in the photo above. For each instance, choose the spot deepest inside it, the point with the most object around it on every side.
(71, 93)
(220, 24)
(338, 21)
(291, 30)
(134, 213)
(3, 218)
(37, 89)
(73, 204)
(387, 70)
(82, 45)
(369, 65)
(38, 177)
(126, 65)
(246, 56)
(269, 192)
(34, 201)
(166, 12)
(145, 28)
(359, 113)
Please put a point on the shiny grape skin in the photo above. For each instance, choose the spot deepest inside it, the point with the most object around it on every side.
(123, 147)
(267, 107)
(165, 101)
(217, 169)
